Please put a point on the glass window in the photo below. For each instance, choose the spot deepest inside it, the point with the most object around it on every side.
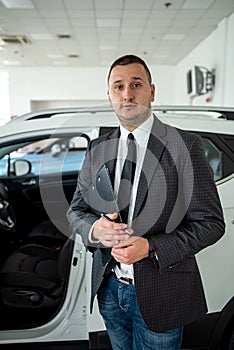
(48, 156)
(214, 156)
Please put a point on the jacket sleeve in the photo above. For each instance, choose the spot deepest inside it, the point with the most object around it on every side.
(203, 223)
(79, 215)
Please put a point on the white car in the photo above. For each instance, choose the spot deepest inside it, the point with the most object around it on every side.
(45, 272)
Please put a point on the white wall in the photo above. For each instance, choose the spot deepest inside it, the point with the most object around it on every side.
(36, 84)
(215, 52)
(32, 84)
(228, 95)
(4, 98)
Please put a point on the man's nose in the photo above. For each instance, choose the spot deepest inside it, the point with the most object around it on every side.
(128, 95)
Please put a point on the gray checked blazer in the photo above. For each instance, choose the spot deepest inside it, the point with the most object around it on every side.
(177, 205)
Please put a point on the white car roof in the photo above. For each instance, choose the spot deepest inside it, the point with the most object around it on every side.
(203, 119)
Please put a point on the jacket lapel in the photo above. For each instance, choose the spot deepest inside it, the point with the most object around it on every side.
(156, 145)
(110, 153)
(111, 150)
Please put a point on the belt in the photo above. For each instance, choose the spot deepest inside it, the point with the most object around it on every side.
(124, 280)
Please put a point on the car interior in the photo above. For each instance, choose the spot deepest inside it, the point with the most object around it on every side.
(35, 245)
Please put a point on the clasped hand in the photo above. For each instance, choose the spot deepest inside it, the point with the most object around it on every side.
(126, 249)
(110, 233)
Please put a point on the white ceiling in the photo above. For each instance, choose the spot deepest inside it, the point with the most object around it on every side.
(161, 31)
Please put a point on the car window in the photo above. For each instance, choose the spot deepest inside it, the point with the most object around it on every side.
(214, 156)
(48, 156)
(56, 155)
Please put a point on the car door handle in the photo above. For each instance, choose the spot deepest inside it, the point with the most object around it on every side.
(29, 183)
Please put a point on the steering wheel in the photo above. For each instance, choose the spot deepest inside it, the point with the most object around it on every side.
(7, 216)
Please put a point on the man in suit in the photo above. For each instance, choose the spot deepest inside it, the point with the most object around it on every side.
(144, 272)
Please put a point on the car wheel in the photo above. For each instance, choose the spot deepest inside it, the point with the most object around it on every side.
(231, 340)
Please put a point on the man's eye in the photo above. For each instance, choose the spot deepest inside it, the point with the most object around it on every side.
(136, 85)
(118, 87)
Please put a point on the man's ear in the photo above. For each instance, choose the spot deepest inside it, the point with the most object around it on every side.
(152, 92)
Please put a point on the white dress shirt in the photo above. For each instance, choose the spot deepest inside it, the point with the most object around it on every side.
(141, 135)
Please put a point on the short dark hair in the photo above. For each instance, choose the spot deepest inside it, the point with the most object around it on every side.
(129, 59)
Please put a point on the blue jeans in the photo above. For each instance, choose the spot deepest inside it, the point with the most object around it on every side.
(125, 326)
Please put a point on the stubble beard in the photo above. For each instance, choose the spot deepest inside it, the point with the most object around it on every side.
(133, 117)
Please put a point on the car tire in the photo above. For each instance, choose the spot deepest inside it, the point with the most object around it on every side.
(231, 340)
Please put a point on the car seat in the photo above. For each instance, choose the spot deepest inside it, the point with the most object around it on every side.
(48, 234)
(34, 276)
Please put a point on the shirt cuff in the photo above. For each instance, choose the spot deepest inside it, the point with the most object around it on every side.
(90, 235)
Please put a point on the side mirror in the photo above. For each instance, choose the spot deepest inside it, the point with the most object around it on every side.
(21, 167)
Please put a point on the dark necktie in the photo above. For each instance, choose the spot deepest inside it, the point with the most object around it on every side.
(127, 178)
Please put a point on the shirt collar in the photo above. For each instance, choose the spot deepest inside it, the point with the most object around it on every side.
(141, 132)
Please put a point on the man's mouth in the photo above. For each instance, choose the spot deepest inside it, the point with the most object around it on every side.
(128, 105)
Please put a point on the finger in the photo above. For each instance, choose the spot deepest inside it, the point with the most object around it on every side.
(103, 223)
(117, 236)
(113, 216)
(108, 244)
(119, 226)
(117, 256)
(119, 251)
(129, 231)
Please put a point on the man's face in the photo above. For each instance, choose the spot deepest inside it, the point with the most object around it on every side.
(130, 94)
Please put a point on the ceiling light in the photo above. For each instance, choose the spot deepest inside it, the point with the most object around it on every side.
(174, 37)
(60, 63)
(55, 56)
(108, 22)
(11, 63)
(199, 4)
(42, 36)
(18, 4)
